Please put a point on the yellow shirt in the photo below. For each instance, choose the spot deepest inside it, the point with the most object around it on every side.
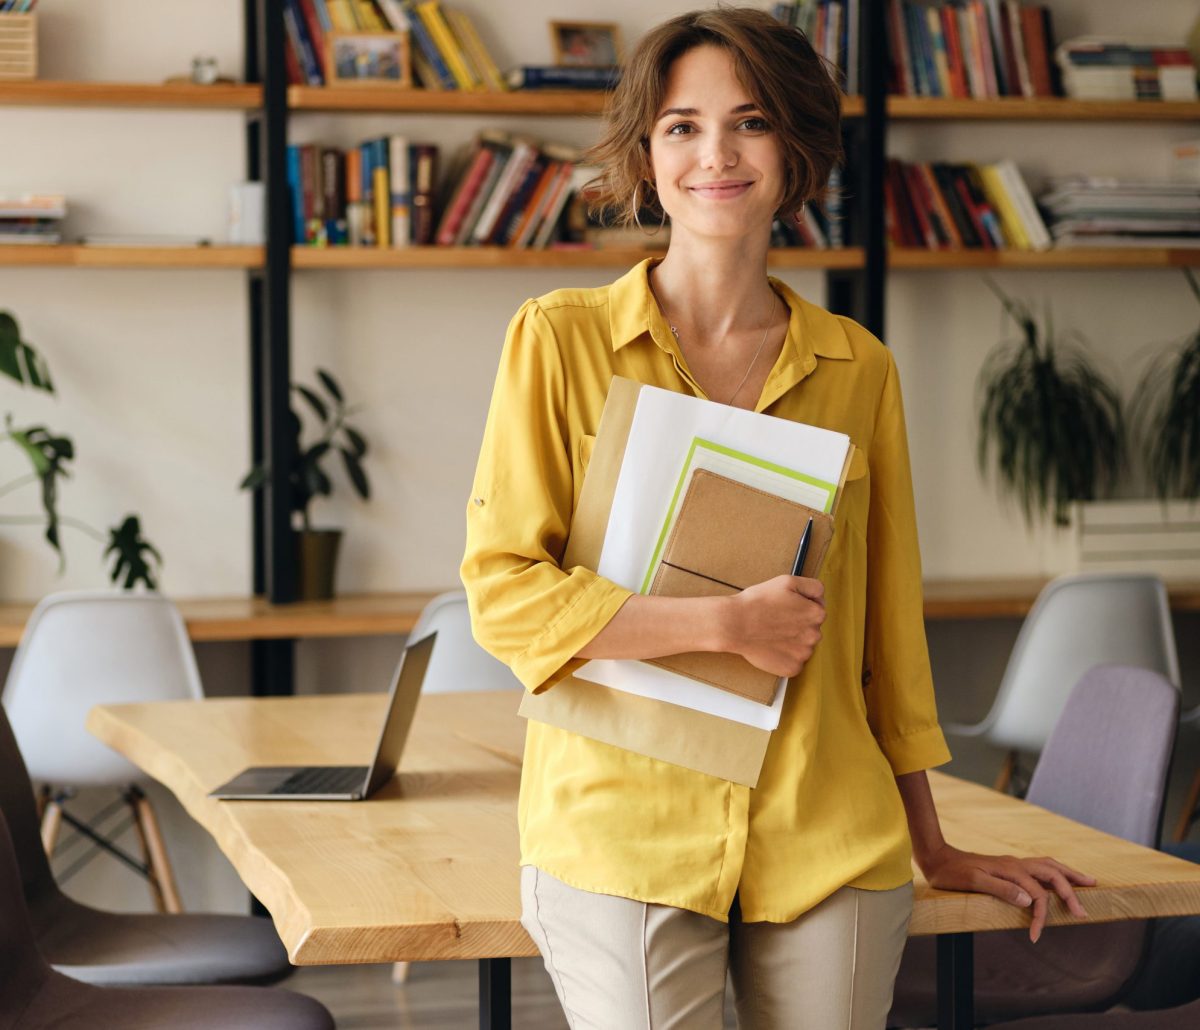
(826, 811)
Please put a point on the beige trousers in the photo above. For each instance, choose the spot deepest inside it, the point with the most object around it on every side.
(619, 964)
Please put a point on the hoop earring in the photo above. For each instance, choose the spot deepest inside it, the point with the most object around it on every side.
(638, 222)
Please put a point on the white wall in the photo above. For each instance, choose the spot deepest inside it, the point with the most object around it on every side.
(152, 365)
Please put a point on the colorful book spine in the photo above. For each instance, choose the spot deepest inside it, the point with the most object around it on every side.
(400, 189)
(356, 215)
(423, 159)
(468, 39)
(295, 191)
(464, 194)
(430, 12)
(428, 48)
(554, 77)
(293, 22)
(381, 197)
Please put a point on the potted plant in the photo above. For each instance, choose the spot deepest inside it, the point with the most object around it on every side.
(317, 549)
(134, 559)
(1167, 414)
(1048, 420)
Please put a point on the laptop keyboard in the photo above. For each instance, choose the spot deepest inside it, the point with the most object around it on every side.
(328, 779)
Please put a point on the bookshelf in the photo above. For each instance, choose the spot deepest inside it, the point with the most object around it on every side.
(1040, 109)
(80, 256)
(48, 93)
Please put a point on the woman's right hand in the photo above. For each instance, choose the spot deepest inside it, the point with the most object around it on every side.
(776, 625)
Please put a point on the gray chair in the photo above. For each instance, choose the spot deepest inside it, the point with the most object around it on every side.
(1185, 1017)
(1105, 764)
(123, 948)
(35, 997)
(458, 662)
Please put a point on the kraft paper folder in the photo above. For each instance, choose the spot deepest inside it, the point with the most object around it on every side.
(710, 554)
(719, 747)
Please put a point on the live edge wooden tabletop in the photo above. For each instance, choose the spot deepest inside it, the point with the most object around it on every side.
(427, 869)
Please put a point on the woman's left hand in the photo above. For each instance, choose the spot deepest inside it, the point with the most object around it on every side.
(1024, 882)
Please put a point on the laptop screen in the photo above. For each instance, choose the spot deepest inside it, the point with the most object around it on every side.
(402, 705)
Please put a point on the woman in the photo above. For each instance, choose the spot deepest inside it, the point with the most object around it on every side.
(641, 880)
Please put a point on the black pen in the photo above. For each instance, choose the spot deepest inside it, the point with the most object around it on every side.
(802, 550)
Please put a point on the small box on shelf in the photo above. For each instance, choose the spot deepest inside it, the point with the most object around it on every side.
(18, 46)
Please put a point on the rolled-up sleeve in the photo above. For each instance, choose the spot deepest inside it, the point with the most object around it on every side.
(898, 682)
(525, 608)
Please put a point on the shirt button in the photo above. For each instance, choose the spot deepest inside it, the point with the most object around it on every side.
(478, 502)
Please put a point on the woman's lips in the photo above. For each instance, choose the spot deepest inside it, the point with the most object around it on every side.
(720, 190)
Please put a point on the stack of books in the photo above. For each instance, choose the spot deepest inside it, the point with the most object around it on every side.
(1114, 69)
(379, 194)
(832, 28)
(1099, 212)
(447, 53)
(970, 49)
(944, 206)
(36, 218)
(505, 190)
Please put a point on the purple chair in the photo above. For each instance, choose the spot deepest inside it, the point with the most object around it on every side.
(35, 997)
(1105, 764)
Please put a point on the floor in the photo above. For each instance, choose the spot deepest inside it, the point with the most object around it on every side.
(437, 996)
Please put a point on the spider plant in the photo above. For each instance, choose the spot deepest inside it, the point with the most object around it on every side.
(49, 455)
(1048, 420)
(1167, 414)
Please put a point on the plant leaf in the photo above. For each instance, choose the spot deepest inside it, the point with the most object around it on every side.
(314, 402)
(330, 384)
(18, 360)
(133, 555)
(355, 471)
(357, 444)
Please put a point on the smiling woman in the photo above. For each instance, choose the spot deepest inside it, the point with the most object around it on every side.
(643, 883)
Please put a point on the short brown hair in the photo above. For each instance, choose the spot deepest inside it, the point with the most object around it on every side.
(784, 75)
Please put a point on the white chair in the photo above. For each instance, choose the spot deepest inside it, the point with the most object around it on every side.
(78, 650)
(1077, 622)
(457, 662)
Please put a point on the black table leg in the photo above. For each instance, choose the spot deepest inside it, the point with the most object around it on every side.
(956, 981)
(495, 994)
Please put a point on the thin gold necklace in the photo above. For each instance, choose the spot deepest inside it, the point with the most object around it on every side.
(757, 353)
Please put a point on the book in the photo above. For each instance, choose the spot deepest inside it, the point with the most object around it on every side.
(467, 185)
(356, 215)
(575, 177)
(333, 189)
(430, 13)
(553, 77)
(500, 188)
(423, 175)
(382, 204)
(297, 37)
(1027, 210)
(430, 56)
(955, 62)
(468, 39)
(399, 191)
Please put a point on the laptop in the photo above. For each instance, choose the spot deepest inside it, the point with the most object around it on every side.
(343, 782)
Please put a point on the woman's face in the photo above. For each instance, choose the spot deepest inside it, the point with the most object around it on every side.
(716, 162)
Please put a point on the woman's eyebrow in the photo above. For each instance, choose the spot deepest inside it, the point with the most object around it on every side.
(690, 112)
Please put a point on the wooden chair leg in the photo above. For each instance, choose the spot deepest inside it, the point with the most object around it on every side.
(162, 877)
(1006, 773)
(1188, 814)
(400, 972)
(51, 823)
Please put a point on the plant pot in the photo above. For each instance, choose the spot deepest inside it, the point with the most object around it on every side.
(316, 559)
(1140, 536)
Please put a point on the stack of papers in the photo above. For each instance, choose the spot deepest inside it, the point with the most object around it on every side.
(1093, 211)
(671, 436)
(35, 218)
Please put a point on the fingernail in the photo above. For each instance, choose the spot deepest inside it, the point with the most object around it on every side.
(1035, 937)
(1024, 899)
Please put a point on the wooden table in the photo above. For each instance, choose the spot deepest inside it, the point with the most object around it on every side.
(427, 869)
(356, 615)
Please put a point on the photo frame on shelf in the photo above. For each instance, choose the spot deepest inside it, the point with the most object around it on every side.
(369, 59)
(586, 44)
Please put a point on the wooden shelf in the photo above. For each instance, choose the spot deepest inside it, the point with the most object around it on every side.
(68, 255)
(44, 93)
(252, 618)
(422, 101)
(1082, 258)
(1041, 109)
(502, 257)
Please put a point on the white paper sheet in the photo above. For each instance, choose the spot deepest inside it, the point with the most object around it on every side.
(664, 428)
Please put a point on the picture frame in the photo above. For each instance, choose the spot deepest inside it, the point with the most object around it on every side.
(368, 59)
(586, 44)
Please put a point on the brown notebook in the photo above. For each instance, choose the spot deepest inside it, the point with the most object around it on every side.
(727, 537)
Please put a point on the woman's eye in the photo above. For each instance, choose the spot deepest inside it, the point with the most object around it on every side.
(679, 129)
(755, 124)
